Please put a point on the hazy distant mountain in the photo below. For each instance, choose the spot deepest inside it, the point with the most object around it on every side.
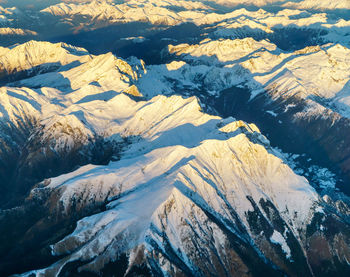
(174, 138)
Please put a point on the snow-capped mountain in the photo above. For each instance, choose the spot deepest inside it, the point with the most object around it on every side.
(68, 69)
(232, 3)
(314, 28)
(33, 57)
(91, 20)
(288, 88)
(288, 28)
(164, 13)
(174, 138)
(16, 31)
(306, 4)
(74, 69)
(320, 71)
(177, 184)
(319, 5)
(183, 172)
(7, 13)
(154, 12)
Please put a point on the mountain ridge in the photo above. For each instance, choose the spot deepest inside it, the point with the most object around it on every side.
(174, 138)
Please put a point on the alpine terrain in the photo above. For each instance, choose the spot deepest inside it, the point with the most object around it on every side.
(174, 138)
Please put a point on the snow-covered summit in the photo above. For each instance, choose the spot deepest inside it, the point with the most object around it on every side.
(222, 50)
(258, 3)
(176, 184)
(36, 53)
(237, 23)
(155, 12)
(318, 71)
(202, 164)
(319, 4)
(16, 31)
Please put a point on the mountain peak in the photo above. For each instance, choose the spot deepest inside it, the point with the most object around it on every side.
(28, 56)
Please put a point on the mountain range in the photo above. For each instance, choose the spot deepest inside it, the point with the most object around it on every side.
(175, 138)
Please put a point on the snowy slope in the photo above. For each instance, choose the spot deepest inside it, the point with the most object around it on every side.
(155, 12)
(261, 24)
(39, 116)
(179, 184)
(72, 17)
(314, 71)
(6, 14)
(300, 92)
(105, 71)
(16, 31)
(166, 12)
(113, 170)
(298, 4)
(42, 56)
(232, 3)
(319, 4)
(183, 157)
(73, 69)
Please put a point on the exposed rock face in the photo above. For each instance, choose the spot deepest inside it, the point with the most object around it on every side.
(220, 202)
(301, 95)
(111, 166)
(192, 194)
